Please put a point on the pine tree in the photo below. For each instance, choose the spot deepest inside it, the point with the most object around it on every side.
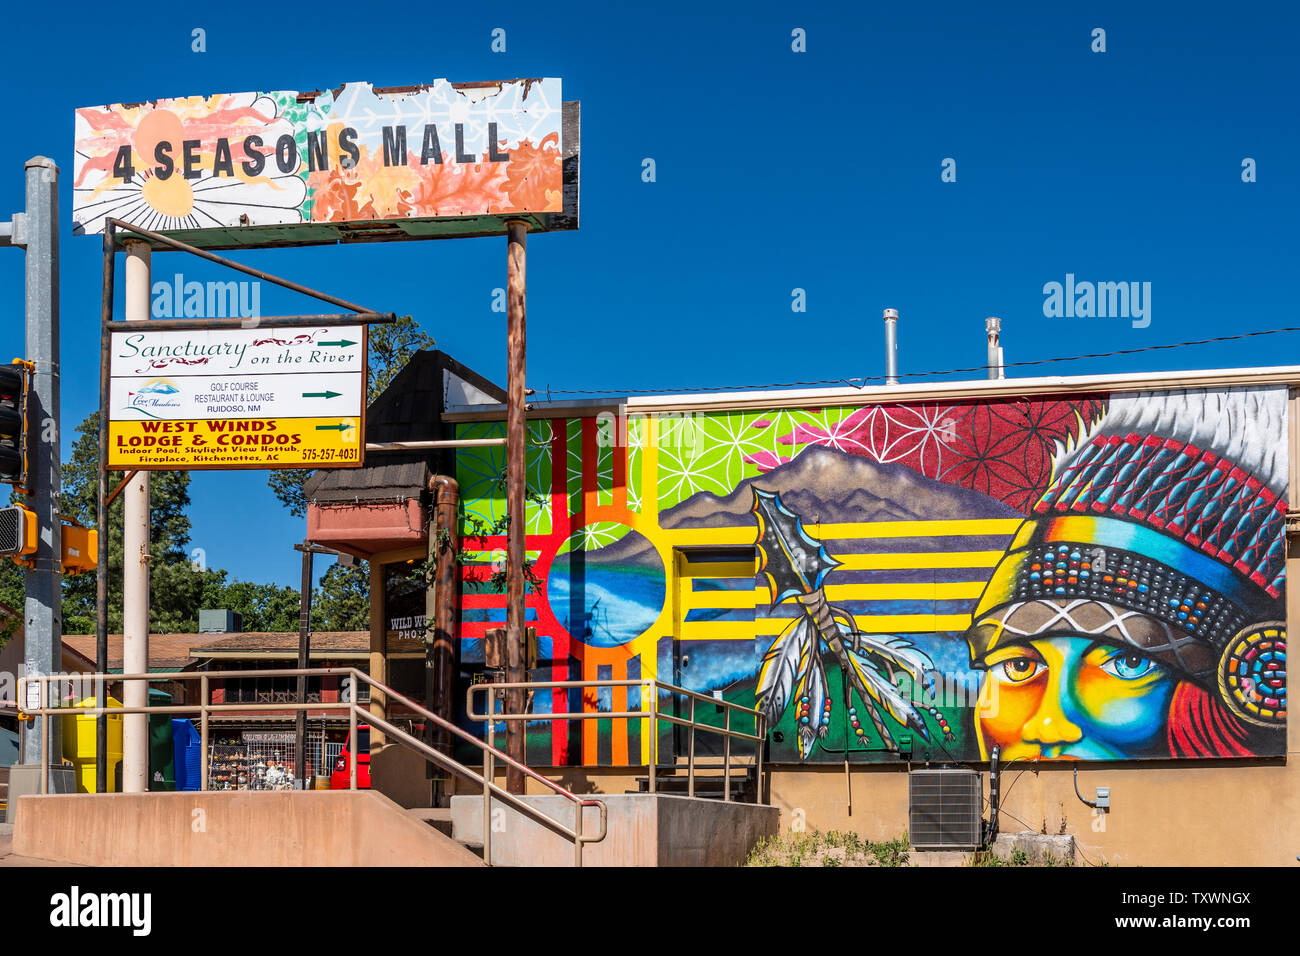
(391, 346)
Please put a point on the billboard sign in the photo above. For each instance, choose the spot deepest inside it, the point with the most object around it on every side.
(237, 398)
(352, 164)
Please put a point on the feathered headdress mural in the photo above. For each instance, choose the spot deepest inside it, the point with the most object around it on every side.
(1163, 529)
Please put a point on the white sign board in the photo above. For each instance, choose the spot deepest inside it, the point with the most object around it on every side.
(237, 398)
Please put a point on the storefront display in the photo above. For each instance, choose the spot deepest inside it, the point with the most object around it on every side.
(265, 760)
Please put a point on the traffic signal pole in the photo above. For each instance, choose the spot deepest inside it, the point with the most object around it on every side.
(38, 232)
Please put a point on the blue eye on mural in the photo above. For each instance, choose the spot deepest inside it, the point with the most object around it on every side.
(1128, 666)
(608, 595)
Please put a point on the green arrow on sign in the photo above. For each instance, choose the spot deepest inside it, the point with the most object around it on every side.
(340, 427)
(341, 343)
(324, 394)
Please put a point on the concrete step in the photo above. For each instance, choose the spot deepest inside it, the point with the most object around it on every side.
(440, 819)
(437, 817)
(708, 786)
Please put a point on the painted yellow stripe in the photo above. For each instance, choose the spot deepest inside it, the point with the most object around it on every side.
(729, 569)
(769, 627)
(744, 534)
(915, 591)
(720, 630)
(740, 534)
(915, 560)
(725, 599)
(947, 591)
(880, 623)
(915, 529)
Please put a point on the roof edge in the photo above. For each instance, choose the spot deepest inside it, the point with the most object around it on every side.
(878, 394)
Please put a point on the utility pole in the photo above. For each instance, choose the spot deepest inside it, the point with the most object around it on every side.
(135, 564)
(516, 440)
(37, 231)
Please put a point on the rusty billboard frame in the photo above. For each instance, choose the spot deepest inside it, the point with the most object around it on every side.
(357, 315)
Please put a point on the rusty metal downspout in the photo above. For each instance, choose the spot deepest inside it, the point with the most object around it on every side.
(444, 555)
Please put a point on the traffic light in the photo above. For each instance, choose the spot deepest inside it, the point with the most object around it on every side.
(15, 386)
(80, 548)
(17, 531)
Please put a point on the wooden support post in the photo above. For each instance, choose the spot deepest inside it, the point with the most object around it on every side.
(443, 703)
(516, 442)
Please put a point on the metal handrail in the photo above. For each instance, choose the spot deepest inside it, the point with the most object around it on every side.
(355, 711)
(653, 716)
(488, 780)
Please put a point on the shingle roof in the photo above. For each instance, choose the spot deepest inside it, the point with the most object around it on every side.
(176, 651)
(165, 650)
(322, 642)
(409, 409)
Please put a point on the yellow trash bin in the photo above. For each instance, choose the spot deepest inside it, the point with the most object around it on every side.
(79, 745)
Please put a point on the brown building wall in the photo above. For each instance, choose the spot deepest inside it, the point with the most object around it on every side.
(1184, 815)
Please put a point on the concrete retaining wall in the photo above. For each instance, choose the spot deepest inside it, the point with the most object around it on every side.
(230, 828)
(643, 830)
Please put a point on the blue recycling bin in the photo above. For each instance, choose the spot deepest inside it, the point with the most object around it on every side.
(188, 755)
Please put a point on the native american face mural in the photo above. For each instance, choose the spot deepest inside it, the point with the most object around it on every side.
(1081, 578)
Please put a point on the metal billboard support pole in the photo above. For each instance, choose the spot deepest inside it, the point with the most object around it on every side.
(101, 520)
(516, 442)
(304, 655)
(309, 551)
(43, 613)
(135, 565)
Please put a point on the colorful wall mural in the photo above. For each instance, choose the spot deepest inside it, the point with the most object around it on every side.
(1087, 578)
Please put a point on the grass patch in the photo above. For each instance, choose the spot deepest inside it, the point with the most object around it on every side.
(833, 848)
(1017, 858)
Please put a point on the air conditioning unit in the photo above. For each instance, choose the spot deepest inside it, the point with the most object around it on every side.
(945, 809)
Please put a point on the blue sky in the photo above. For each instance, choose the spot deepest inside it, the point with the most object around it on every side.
(775, 170)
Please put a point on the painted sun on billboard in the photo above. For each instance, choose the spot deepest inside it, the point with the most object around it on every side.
(357, 163)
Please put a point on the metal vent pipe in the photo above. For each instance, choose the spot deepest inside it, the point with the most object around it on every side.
(993, 329)
(891, 346)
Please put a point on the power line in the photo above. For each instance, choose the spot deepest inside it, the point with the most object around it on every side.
(860, 381)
